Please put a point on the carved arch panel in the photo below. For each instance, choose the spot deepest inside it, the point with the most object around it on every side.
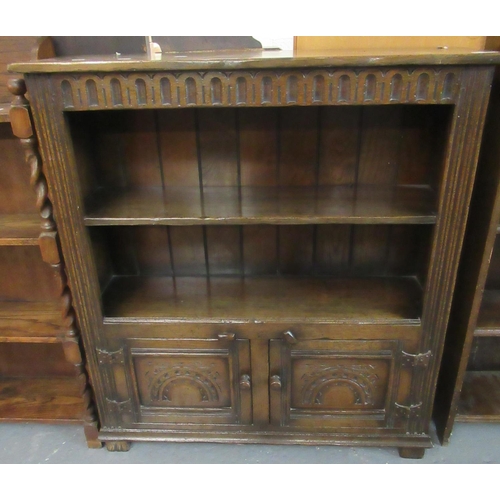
(188, 381)
(333, 384)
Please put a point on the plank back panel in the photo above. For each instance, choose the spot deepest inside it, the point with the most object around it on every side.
(179, 158)
(298, 146)
(218, 147)
(339, 145)
(258, 131)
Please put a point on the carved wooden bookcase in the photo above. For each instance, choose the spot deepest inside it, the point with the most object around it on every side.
(42, 377)
(262, 248)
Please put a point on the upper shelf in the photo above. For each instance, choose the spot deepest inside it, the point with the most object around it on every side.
(256, 59)
(263, 205)
(19, 229)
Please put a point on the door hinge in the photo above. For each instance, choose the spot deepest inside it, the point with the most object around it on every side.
(111, 357)
(416, 360)
(403, 411)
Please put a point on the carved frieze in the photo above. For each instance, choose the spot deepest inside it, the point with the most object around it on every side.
(333, 86)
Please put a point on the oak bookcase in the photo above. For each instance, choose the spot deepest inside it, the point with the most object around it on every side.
(261, 247)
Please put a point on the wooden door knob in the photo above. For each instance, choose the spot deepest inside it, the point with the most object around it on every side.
(245, 382)
(275, 382)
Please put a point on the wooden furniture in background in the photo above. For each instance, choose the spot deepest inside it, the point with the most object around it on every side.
(39, 347)
(469, 382)
(262, 249)
(304, 44)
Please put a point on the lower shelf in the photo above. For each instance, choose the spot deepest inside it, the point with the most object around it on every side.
(488, 321)
(19, 230)
(4, 112)
(480, 397)
(34, 322)
(41, 400)
(250, 299)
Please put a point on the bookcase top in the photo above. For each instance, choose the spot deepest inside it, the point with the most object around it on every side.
(257, 59)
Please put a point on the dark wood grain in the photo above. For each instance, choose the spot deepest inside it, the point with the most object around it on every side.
(30, 322)
(480, 397)
(268, 299)
(488, 320)
(19, 229)
(41, 400)
(298, 147)
(16, 196)
(460, 163)
(260, 59)
(53, 284)
(258, 205)
(478, 269)
(13, 49)
(258, 145)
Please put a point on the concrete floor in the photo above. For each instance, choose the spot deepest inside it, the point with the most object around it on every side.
(38, 444)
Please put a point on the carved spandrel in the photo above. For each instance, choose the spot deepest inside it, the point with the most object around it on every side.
(260, 88)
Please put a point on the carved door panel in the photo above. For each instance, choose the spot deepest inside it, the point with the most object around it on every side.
(190, 381)
(337, 384)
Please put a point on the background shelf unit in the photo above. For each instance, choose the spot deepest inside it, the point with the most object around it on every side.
(468, 388)
(36, 381)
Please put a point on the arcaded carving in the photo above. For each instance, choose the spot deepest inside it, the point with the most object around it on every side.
(258, 88)
(360, 380)
(200, 380)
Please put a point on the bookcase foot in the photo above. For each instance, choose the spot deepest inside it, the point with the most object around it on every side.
(414, 453)
(118, 445)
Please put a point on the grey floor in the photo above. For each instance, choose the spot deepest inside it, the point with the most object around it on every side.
(61, 444)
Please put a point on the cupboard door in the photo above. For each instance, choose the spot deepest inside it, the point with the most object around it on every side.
(337, 384)
(189, 381)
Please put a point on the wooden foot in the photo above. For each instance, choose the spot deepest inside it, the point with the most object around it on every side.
(94, 444)
(411, 452)
(118, 445)
(91, 434)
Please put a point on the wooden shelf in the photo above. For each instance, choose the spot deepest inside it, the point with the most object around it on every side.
(40, 400)
(19, 230)
(480, 397)
(4, 112)
(34, 322)
(488, 321)
(264, 205)
(249, 299)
